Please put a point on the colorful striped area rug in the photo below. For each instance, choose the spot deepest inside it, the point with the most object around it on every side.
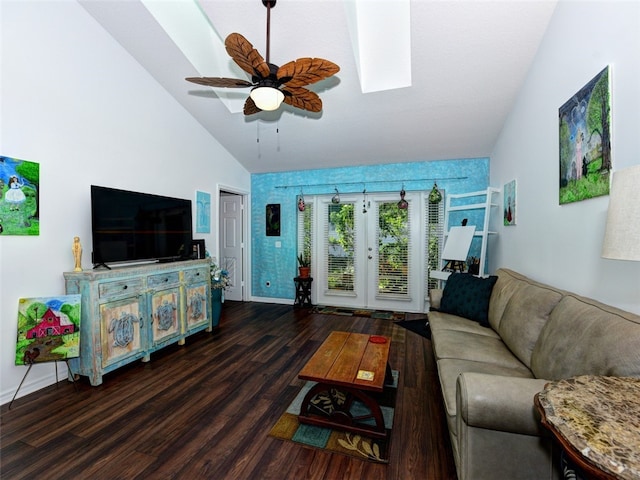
(360, 312)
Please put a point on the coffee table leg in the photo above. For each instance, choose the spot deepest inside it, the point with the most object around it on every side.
(333, 410)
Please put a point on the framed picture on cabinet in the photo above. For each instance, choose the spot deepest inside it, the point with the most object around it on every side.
(197, 249)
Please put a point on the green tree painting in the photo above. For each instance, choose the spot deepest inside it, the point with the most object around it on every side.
(585, 141)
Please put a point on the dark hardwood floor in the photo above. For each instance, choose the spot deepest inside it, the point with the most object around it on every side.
(204, 410)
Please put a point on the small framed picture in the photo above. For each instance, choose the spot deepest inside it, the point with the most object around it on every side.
(273, 220)
(197, 249)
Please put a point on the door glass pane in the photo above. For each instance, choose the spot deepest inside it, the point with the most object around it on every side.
(393, 249)
(340, 243)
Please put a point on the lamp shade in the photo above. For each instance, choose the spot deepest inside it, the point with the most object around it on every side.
(622, 232)
(267, 98)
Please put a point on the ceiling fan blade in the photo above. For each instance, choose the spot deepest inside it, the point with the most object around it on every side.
(250, 107)
(220, 82)
(247, 57)
(305, 71)
(302, 98)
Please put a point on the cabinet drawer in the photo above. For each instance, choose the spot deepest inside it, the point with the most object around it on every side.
(130, 286)
(196, 275)
(163, 280)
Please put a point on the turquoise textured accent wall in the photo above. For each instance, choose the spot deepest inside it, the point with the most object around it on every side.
(277, 265)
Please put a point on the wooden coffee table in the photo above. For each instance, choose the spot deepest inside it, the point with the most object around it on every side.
(347, 366)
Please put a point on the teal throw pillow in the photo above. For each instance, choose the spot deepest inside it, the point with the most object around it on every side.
(468, 296)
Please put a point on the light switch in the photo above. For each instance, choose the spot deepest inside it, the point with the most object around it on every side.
(278, 244)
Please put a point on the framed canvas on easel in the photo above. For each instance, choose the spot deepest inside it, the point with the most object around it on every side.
(457, 247)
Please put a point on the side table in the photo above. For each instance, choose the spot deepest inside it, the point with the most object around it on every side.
(596, 420)
(303, 291)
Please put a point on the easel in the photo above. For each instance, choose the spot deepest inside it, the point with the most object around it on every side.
(66, 361)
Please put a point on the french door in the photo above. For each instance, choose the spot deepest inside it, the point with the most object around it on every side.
(368, 252)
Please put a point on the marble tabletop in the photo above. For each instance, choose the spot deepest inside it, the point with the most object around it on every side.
(599, 419)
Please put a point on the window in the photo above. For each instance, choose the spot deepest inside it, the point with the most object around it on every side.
(434, 222)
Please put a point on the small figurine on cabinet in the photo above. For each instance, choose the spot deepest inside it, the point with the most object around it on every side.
(77, 254)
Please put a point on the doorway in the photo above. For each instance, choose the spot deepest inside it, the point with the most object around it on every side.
(232, 254)
(368, 252)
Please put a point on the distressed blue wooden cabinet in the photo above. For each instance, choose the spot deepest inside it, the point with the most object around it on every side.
(130, 312)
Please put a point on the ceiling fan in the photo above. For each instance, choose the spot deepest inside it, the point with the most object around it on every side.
(271, 85)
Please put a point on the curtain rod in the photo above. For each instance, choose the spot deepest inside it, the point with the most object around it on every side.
(365, 183)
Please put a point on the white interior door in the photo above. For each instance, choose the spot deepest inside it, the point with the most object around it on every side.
(232, 243)
(368, 252)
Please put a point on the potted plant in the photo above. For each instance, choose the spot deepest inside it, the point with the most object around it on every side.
(219, 281)
(304, 265)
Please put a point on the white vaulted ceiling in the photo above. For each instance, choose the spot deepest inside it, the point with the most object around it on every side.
(418, 80)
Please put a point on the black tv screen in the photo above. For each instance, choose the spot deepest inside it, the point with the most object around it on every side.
(129, 226)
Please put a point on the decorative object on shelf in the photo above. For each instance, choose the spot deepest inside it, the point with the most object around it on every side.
(336, 198)
(301, 202)
(585, 141)
(304, 265)
(76, 248)
(403, 204)
(273, 220)
(622, 233)
(473, 265)
(434, 195)
(509, 214)
(219, 281)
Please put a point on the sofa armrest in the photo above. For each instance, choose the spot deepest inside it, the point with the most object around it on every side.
(500, 403)
(435, 297)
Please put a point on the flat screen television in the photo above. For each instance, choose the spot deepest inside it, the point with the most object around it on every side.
(131, 226)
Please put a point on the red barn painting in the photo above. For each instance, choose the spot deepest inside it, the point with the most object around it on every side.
(50, 326)
(48, 329)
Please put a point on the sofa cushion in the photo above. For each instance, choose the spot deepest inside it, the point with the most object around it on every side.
(468, 296)
(475, 348)
(446, 321)
(524, 316)
(585, 337)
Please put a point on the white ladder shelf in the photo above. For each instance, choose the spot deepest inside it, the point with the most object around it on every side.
(486, 201)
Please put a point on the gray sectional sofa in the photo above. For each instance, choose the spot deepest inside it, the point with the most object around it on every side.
(489, 373)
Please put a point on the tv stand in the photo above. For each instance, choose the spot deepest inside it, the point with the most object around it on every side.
(128, 313)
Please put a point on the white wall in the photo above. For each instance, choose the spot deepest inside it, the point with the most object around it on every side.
(76, 103)
(557, 244)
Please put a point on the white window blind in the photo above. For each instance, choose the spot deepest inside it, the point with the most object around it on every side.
(339, 242)
(434, 221)
(393, 246)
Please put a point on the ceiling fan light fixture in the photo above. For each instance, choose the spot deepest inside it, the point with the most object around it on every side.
(267, 98)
